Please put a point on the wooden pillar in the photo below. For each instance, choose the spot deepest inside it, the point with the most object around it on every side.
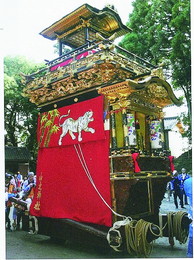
(60, 48)
(86, 34)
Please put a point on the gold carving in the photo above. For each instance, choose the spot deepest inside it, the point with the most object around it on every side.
(84, 23)
(158, 72)
(117, 93)
(46, 89)
(101, 68)
(158, 91)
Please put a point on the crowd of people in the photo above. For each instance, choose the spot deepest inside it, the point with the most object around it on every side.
(20, 188)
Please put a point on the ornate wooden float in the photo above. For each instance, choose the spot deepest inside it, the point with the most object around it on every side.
(94, 172)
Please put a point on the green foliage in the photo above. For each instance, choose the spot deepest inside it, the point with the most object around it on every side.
(20, 114)
(181, 45)
(150, 33)
(184, 161)
(161, 34)
(186, 122)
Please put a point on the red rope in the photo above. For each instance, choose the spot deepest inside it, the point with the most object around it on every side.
(135, 156)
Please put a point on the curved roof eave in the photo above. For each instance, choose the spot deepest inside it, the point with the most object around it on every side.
(154, 79)
(107, 10)
(50, 32)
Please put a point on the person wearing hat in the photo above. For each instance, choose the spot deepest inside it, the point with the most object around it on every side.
(182, 177)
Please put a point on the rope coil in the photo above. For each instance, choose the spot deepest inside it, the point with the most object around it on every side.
(174, 221)
(136, 237)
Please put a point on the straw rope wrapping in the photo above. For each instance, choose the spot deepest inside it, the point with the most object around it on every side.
(119, 239)
(136, 232)
(174, 221)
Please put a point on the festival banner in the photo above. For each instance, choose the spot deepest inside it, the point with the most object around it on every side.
(78, 123)
(68, 172)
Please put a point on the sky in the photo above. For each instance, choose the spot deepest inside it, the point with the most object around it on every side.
(21, 22)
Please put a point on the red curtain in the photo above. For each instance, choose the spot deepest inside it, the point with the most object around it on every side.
(63, 189)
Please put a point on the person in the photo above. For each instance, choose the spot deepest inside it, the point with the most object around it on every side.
(8, 205)
(169, 190)
(10, 190)
(17, 183)
(19, 176)
(177, 192)
(182, 177)
(8, 178)
(29, 186)
(189, 194)
(17, 212)
(12, 186)
(7, 210)
(19, 180)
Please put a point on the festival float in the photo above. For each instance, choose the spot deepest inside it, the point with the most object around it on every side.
(102, 165)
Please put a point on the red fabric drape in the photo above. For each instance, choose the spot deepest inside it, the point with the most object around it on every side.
(78, 57)
(171, 158)
(136, 165)
(63, 190)
(62, 64)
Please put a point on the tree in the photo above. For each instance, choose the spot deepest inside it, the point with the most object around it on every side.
(161, 34)
(180, 56)
(20, 114)
(184, 161)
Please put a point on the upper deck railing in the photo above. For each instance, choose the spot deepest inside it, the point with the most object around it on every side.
(90, 49)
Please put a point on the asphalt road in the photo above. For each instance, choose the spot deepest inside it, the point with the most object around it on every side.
(21, 245)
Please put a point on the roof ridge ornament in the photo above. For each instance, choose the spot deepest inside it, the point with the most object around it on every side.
(111, 6)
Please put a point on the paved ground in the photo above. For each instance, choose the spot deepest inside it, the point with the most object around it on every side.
(169, 205)
(21, 245)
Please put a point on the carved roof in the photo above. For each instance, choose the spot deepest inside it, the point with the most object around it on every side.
(116, 73)
(152, 89)
(70, 28)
